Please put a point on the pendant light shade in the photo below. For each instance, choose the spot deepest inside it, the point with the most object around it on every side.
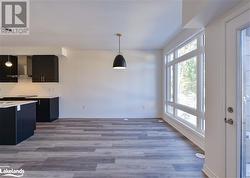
(8, 63)
(119, 62)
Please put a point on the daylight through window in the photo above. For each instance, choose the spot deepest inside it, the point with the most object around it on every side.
(185, 71)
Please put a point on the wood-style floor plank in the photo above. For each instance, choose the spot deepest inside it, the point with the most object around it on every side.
(105, 148)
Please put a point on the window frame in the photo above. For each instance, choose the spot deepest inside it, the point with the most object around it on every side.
(199, 111)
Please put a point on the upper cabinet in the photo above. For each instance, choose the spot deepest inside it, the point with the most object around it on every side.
(8, 74)
(42, 68)
(45, 68)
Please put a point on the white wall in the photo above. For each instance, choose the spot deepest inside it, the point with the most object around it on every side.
(191, 9)
(215, 99)
(90, 88)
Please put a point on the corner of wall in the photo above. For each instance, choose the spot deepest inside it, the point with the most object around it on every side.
(209, 172)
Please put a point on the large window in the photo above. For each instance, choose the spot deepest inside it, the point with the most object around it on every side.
(185, 93)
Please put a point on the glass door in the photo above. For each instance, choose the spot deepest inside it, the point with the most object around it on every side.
(237, 113)
(245, 77)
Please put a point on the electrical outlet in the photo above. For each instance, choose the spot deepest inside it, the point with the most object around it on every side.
(83, 107)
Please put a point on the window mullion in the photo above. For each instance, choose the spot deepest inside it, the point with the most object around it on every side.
(203, 82)
(185, 57)
(202, 104)
(175, 83)
(165, 83)
(198, 86)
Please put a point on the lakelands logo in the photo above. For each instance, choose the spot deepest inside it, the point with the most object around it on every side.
(14, 17)
(6, 171)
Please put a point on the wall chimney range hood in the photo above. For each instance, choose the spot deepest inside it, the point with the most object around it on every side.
(24, 66)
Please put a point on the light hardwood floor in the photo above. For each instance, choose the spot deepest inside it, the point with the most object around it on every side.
(104, 148)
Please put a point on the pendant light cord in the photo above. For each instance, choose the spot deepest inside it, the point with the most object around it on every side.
(119, 36)
(119, 44)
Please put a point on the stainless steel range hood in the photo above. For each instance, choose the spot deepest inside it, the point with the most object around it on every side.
(24, 66)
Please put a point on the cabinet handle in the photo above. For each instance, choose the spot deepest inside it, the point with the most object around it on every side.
(42, 78)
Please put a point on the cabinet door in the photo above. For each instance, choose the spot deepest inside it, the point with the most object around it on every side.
(54, 109)
(51, 74)
(45, 68)
(27, 116)
(43, 110)
(8, 74)
(8, 125)
(19, 128)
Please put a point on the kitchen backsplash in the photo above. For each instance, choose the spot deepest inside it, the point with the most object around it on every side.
(26, 87)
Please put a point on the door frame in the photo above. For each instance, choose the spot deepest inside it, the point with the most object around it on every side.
(234, 27)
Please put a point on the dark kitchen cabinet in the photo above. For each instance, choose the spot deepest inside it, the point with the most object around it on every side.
(8, 74)
(45, 68)
(26, 121)
(47, 109)
(16, 125)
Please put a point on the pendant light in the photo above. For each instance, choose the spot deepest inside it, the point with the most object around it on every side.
(8, 63)
(119, 62)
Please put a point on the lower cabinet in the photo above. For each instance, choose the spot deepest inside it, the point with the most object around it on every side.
(47, 109)
(16, 125)
(26, 121)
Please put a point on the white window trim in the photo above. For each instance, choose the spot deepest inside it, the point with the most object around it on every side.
(199, 111)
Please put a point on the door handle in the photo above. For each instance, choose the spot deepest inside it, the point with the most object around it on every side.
(230, 109)
(229, 121)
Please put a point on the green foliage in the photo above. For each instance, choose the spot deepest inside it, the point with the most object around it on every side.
(187, 73)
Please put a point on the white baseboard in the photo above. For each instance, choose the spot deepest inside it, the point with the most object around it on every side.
(208, 172)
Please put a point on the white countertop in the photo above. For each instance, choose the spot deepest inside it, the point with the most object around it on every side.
(29, 97)
(43, 97)
(8, 104)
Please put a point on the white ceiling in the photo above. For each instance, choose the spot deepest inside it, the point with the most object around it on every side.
(91, 24)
